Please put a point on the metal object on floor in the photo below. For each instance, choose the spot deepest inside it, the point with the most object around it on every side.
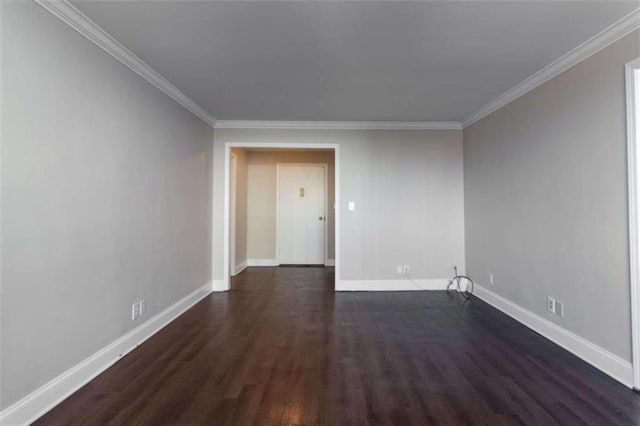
(463, 284)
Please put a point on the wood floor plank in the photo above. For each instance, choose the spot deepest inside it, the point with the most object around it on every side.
(283, 348)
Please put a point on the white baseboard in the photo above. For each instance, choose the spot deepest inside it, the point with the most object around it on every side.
(402, 284)
(274, 262)
(239, 268)
(262, 262)
(609, 363)
(43, 399)
(219, 285)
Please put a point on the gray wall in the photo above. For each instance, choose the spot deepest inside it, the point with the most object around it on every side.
(106, 199)
(407, 186)
(262, 202)
(546, 199)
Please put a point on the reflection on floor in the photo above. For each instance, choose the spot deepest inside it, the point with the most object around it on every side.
(283, 348)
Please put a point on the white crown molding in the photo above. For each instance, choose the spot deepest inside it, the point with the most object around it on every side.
(610, 35)
(339, 125)
(77, 20)
(69, 14)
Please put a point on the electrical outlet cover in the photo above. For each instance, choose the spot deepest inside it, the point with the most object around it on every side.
(551, 304)
(559, 309)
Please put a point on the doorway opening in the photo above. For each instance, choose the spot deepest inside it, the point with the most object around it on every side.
(633, 156)
(281, 206)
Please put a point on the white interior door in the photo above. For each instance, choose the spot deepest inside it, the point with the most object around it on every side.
(301, 214)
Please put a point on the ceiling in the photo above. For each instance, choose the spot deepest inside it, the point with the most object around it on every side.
(350, 61)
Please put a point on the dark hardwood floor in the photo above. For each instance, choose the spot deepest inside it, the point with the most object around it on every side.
(283, 348)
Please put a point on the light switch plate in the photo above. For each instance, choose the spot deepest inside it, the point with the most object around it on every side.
(352, 205)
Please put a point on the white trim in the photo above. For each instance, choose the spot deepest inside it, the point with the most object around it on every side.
(262, 262)
(393, 285)
(330, 262)
(233, 160)
(219, 285)
(224, 284)
(339, 125)
(43, 399)
(77, 20)
(239, 268)
(325, 170)
(600, 358)
(610, 35)
(226, 280)
(69, 14)
(2, 199)
(336, 214)
(632, 76)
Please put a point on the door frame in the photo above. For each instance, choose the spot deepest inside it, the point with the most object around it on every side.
(280, 145)
(632, 77)
(325, 170)
(233, 183)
